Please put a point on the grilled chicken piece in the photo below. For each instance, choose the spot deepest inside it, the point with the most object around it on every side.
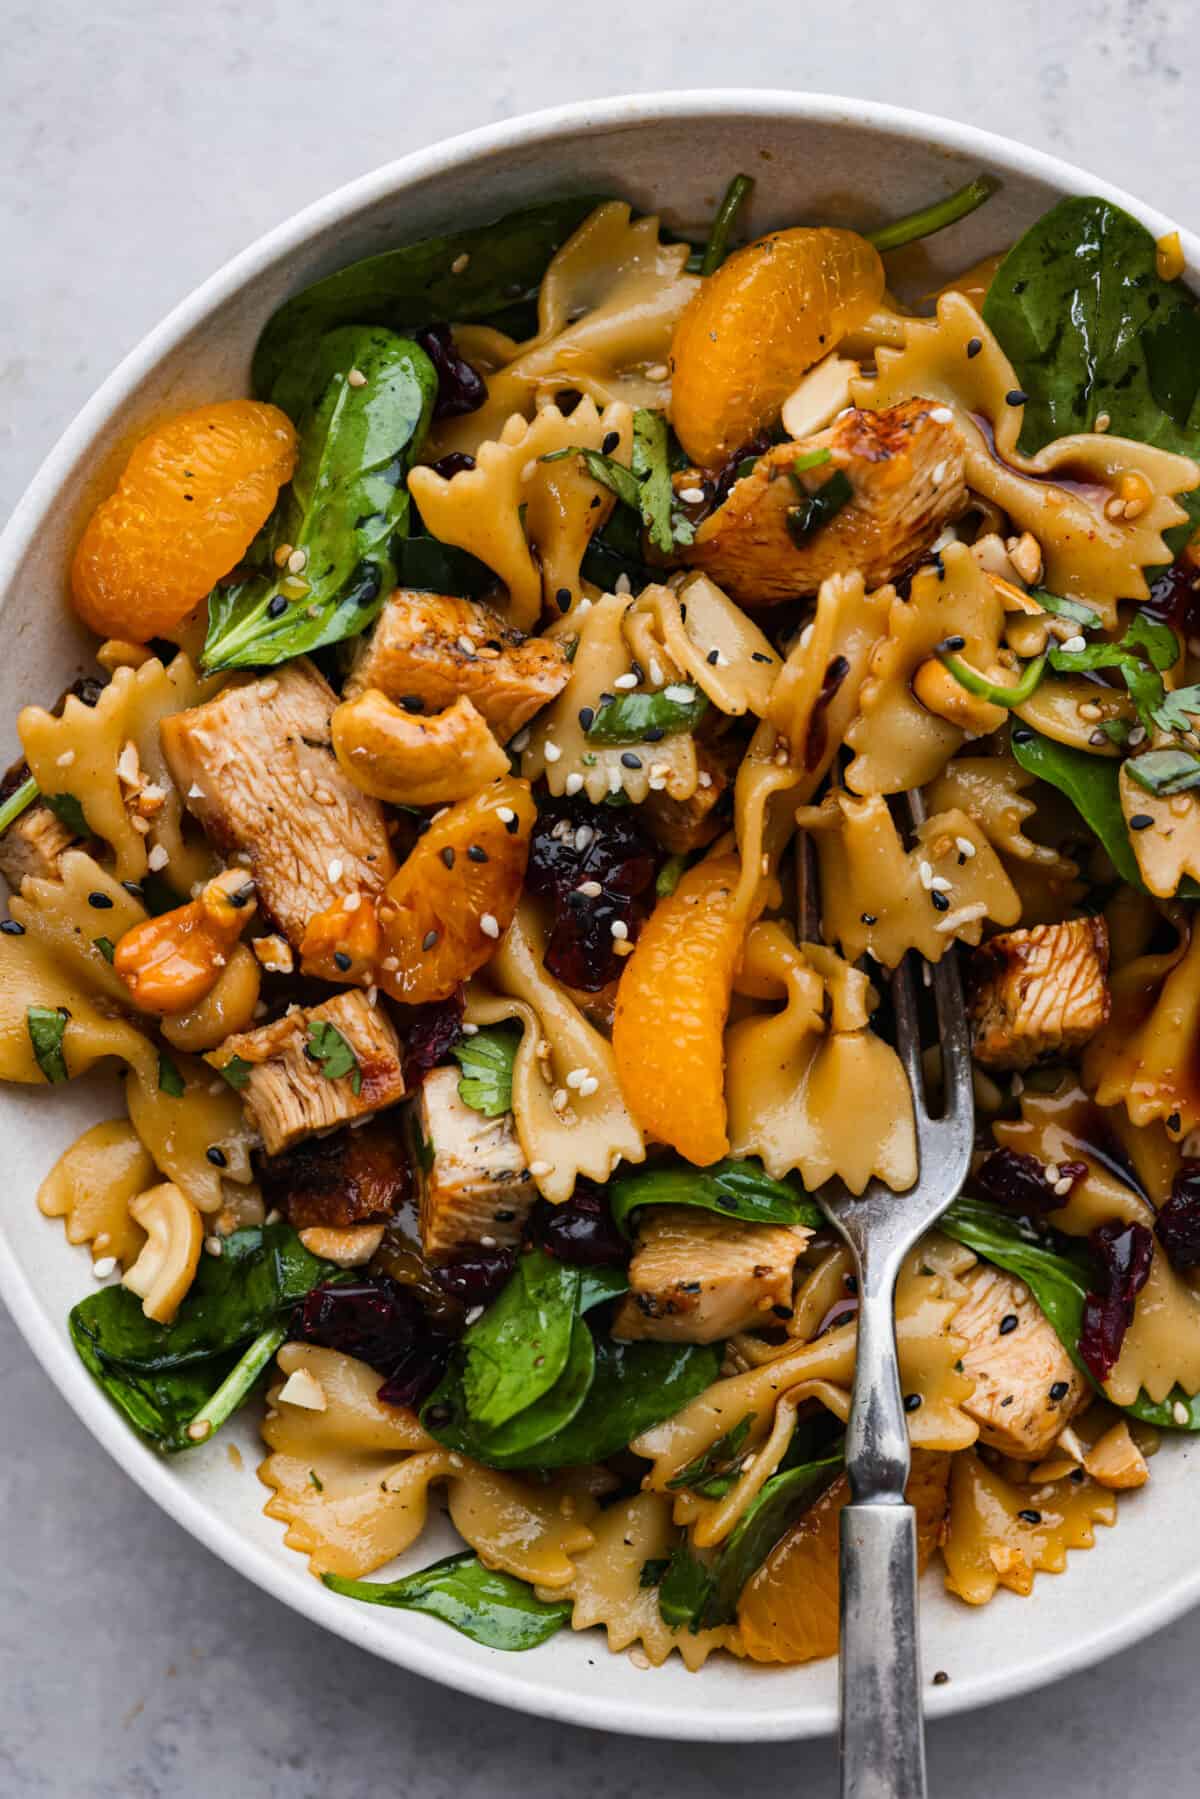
(290, 1091)
(1041, 992)
(476, 1187)
(682, 826)
(1018, 1365)
(416, 652)
(257, 768)
(34, 842)
(352, 1177)
(905, 467)
(696, 1278)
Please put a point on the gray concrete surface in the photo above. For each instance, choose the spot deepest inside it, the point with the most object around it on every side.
(140, 145)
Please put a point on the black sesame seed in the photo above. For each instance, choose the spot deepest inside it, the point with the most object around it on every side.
(430, 939)
(868, 918)
(586, 716)
(953, 643)
(912, 1402)
(217, 1156)
(629, 760)
(653, 734)
(1023, 735)
(1016, 397)
(611, 440)
(447, 855)
(711, 658)
(277, 606)
(758, 656)
(1141, 821)
(1008, 1323)
(974, 345)
(1059, 1390)
(134, 887)
(412, 702)
(101, 901)
(940, 902)
(476, 852)
(242, 897)
(11, 928)
(1029, 1515)
(563, 599)
(341, 960)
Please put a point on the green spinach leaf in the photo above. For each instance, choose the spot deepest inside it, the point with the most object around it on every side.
(735, 1189)
(424, 564)
(486, 1060)
(1091, 783)
(470, 274)
(46, 1026)
(485, 1604)
(372, 396)
(627, 717)
(515, 1353)
(69, 812)
(636, 1386)
(514, 1444)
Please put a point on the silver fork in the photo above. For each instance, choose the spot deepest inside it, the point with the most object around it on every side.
(882, 1727)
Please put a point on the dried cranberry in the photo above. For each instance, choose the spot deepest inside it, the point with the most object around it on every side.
(430, 1032)
(461, 388)
(456, 462)
(374, 1320)
(574, 844)
(1125, 1252)
(476, 1278)
(1178, 1225)
(418, 1374)
(1018, 1182)
(1174, 598)
(581, 1230)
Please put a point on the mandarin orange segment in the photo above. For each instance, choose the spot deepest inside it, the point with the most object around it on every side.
(192, 498)
(753, 329)
(668, 1027)
(788, 1611)
(448, 905)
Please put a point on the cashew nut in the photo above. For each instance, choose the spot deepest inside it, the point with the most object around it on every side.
(937, 689)
(227, 1007)
(413, 761)
(350, 1246)
(171, 962)
(163, 1271)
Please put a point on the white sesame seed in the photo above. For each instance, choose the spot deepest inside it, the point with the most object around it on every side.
(1063, 1187)
(657, 371)
(590, 889)
(1052, 1173)
(1075, 643)
(639, 1658)
(213, 1246)
(678, 692)
(297, 562)
(574, 783)
(939, 474)
(691, 496)
(1136, 736)
(942, 415)
(625, 682)
(356, 378)
(622, 585)
(105, 1266)
(466, 645)
(926, 873)
(583, 837)
(619, 928)
(965, 847)
(560, 1099)
(539, 1168)
(1179, 1412)
(576, 1077)
(157, 859)
(474, 1315)
(505, 814)
(334, 871)
(470, 1030)
(520, 741)
(704, 778)
(65, 760)
(657, 677)
(551, 751)
(588, 1087)
(487, 1242)
(460, 263)
(939, 884)
(489, 925)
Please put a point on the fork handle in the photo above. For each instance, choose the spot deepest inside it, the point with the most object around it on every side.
(882, 1738)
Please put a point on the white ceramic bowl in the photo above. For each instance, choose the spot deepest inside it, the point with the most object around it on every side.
(814, 159)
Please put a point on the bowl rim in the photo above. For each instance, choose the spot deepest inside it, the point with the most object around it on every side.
(359, 1626)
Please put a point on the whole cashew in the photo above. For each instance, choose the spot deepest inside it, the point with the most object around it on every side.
(414, 761)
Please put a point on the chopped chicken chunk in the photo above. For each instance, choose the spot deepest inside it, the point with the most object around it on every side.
(351, 1177)
(1041, 992)
(417, 651)
(1018, 1365)
(257, 768)
(476, 1186)
(905, 469)
(296, 1084)
(683, 826)
(34, 842)
(696, 1277)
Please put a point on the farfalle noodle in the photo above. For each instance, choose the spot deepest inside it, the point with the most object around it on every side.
(91, 1185)
(991, 1539)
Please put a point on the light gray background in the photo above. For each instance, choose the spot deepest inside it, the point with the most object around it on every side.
(141, 144)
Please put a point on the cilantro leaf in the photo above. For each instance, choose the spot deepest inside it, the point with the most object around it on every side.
(327, 1046)
(486, 1060)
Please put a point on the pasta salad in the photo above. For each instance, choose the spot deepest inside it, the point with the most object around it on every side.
(476, 846)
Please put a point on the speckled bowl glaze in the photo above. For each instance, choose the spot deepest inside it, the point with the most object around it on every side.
(814, 158)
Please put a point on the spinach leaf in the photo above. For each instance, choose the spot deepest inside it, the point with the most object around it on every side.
(1091, 783)
(514, 1444)
(598, 1285)
(616, 550)
(424, 564)
(717, 247)
(627, 717)
(18, 801)
(423, 283)
(69, 812)
(46, 1026)
(486, 1060)
(515, 1353)
(328, 1048)
(260, 1273)
(372, 397)
(735, 1189)
(159, 1404)
(685, 1590)
(1080, 310)
(485, 1604)
(636, 1386)
(699, 1473)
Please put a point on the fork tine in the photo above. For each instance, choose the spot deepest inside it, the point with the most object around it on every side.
(908, 1034)
(953, 1033)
